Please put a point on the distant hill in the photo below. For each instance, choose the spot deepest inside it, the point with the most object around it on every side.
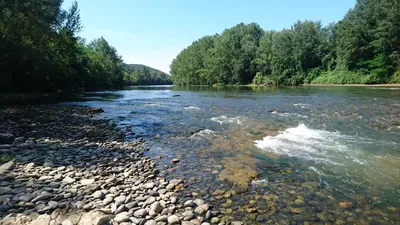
(138, 74)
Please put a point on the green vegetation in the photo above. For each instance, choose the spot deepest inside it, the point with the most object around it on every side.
(364, 48)
(136, 74)
(41, 52)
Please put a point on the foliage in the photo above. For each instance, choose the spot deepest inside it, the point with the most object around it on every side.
(136, 74)
(258, 79)
(364, 47)
(41, 52)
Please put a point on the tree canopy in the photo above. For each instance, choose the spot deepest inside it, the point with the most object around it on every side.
(361, 48)
(40, 50)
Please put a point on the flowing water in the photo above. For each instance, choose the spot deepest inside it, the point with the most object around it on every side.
(293, 155)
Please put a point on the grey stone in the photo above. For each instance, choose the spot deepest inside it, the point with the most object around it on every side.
(198, 202)
(7, 166)
(5, 190)
(122, 217)
(98, 195)
(130, 205)
(173, 220)
(120, 200)
(202, 209)
(162, 218)
(151, 222)
(170, 186)
(141, 213)
(44, 195)
(68, 180)
(107, 200)
(87, 181)
(156, 207)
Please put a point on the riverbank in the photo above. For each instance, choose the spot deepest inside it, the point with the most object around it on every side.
(352, 85)
(61, 165)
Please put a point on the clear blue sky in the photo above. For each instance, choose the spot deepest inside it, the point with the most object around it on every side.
(153, 32)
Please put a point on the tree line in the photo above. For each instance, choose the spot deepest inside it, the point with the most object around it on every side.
(40, 50)
(137, 74)
(364, 47)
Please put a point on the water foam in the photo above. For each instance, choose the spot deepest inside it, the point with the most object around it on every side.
(191, 107)
(289, 114)
(204, 133)
(310, 144)
(301, 105)
(224, 119)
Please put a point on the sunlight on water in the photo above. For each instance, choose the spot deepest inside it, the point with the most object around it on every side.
(335, 156)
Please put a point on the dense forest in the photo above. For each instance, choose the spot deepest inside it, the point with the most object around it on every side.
(137, 74)
(364, 47)
(40, 50)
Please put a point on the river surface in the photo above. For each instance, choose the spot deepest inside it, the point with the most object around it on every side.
(292, 155)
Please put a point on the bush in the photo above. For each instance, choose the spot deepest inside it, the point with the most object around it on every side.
(258, 79)
(395, 79)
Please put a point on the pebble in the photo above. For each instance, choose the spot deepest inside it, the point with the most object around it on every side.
(86, 168)
(173, 220)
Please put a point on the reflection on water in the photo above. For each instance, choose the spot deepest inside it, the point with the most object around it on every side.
(294, 154)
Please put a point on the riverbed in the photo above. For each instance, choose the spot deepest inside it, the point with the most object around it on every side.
(272, 155)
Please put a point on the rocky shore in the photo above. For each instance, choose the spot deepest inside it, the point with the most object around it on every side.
(61, 165)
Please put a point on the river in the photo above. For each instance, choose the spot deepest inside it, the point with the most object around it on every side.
(263, 155)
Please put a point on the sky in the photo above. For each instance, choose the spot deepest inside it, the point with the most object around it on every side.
(153, 32)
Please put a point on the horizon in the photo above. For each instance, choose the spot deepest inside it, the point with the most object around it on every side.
(154, 38)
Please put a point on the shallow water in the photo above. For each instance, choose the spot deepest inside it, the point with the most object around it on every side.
(288, 155)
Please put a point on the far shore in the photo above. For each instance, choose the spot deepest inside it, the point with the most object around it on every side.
(353, 85)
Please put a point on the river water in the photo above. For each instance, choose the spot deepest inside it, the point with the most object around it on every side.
(292, 155)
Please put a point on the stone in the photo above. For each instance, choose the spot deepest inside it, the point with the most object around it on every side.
(53, 204)
(41, 220)
(176, 160)
(122, 217)
(15, 219)
(6, 138)
(201, 209)
(5, 190)
(156, 207)
(95, 218)
(150, 200)
(107, 200)
(188, 203)
(187, 215)
(68, 180)
(198, 202)
(67, 222)
(120, 200)
(149, 185)
(7, 166)
(87, 206)
(173, 220)
(170, 186)
(296, 210)
(98, 195)
(130, 205)
(187, 223)
(236, 223)
(48, 163)
(26, 197)
(43, 196)
(214, 220)
(345, 205)
(141, 213)
(86, 181)
(162, 218)
(176, 181)
(151, 222)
